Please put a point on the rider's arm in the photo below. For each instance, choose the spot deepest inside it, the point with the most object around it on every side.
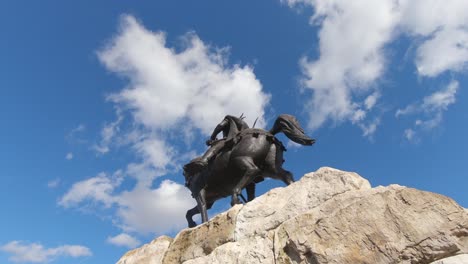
(219, 128)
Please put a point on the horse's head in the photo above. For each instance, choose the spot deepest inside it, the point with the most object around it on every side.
(190, 171)
(187, 177)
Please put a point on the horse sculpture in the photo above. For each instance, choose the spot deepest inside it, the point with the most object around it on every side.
(257, 153)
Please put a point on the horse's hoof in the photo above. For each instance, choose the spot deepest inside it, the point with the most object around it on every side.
(235, 202)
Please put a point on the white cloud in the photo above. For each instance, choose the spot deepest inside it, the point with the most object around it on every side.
(168, 88)
(371, 100)
(36, 253)
(124, 240)
(53, 183)
(409, 134)
(369, 128)
(412, 108)
(442, 26)
(430, 123)
(435, 103)
(142, 209)
(108, 132)
(155, 151)
(160, 210)
(73, 134)
(440, 100)
(190, 90)
(77, 129)
(172, 94)
(432, 108)
(352, 40)
(98, 189)
(69, 156)
(447, 50)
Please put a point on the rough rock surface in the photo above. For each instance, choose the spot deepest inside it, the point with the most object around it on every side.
(329, 216)
(458, 259)
(150, 253)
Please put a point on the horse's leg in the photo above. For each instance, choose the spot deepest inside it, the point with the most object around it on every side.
(201, 202)
(250, 171)
(250, 191)
(273, 165)
(194, 211)
(190, 214)
(285, 176)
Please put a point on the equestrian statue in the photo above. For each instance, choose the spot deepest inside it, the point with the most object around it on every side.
(242, 158)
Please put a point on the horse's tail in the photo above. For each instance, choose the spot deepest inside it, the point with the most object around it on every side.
(289, 125)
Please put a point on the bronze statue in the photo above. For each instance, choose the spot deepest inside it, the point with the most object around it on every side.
(247, 155)
(230, 126)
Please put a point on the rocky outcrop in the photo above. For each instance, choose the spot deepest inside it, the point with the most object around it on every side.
(329, 216)
(151, 253)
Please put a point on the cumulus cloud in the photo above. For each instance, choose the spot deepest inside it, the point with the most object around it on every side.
(99, 189)
(352, 40)
(352, 37)
(172, 94)
(142, 209)
(124, 240)
(37, 253)
(160, 210)
(167, 87)
(442, 28)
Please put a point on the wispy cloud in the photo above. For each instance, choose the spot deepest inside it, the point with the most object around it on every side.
(409, 134)
(432, 108)
(69, 156)
(53, 183)
(37, 253)
(352, 59)
(75, 134)
(368, 128)
(436, 102)
(108, 133)
(77, 129)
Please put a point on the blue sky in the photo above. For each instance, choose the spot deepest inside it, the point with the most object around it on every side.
(101, 104)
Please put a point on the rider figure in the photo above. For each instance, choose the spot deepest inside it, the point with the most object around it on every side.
(230, 126)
